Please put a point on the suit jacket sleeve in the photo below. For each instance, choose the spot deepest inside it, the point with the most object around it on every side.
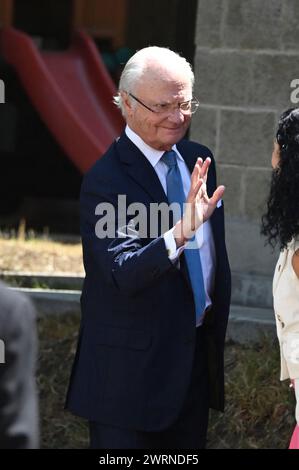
(123, 259)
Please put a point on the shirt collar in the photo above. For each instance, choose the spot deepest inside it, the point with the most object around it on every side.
(150, 153)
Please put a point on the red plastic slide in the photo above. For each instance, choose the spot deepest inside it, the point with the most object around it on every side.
(71, 90)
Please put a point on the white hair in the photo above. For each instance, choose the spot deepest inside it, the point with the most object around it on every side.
(140, 62)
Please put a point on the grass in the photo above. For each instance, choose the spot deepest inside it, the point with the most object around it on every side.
(57, 341)
(40, 255)
(259, 408)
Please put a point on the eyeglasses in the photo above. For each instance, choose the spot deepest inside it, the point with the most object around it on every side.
(187, 107)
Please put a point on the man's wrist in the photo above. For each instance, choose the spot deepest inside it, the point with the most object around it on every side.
(180, 236)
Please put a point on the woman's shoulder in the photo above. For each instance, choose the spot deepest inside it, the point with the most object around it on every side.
(295, 255)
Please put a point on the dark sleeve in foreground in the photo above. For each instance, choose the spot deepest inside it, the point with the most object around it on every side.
(18, 396)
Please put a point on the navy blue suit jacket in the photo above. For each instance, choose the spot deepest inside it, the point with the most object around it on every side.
(136, 343)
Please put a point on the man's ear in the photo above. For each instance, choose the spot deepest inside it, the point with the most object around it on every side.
(127, 102)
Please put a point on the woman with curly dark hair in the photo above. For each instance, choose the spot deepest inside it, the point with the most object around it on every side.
(280, 225)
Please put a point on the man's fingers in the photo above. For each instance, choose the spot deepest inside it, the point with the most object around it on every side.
(196, 188)
(197, 166)
(218, 193)
(196, 172)
(205, 167)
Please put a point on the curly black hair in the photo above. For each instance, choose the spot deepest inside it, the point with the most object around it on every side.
(281, 221)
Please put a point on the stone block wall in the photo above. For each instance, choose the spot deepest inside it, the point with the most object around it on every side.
(247, 54)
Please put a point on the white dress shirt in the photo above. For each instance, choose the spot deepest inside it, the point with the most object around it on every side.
(204, 235)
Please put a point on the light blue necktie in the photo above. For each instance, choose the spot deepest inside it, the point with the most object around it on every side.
(175, 194)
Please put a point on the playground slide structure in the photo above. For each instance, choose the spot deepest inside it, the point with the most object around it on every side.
(72, 92)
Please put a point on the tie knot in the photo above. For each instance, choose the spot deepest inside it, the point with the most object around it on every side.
(169, 158)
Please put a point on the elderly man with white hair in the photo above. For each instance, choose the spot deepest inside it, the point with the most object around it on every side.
(155, 301)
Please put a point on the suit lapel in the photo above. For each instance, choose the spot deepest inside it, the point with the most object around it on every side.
(139, 169)
(190, 155)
